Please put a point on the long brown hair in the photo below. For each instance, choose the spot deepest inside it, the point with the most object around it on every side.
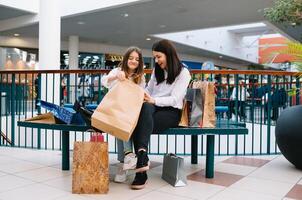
(139, 71)
(174, 65)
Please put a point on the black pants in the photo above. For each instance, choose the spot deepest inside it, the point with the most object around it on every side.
(241, 107)
(153, 119)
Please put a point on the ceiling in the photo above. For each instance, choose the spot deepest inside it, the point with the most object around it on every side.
(152, 17)
(7, 12)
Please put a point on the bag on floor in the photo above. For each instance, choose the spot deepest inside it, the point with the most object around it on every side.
(90, 174)
(173, 170)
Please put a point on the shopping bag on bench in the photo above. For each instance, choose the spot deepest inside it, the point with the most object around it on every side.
(201, 104)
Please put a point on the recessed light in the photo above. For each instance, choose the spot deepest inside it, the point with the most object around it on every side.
(80, 22)
(125, 15)
(16, 34)
(162, 26)
(148, 39)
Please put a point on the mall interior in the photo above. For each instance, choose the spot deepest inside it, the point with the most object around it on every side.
(57, 52)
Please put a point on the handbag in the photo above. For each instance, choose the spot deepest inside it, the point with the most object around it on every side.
(173, 170)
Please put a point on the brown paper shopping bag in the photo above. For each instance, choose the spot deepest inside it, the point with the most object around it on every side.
(207, 99)
(184, 120)
(90, 174)
(119, 110)
(208, 94)
(47, 118)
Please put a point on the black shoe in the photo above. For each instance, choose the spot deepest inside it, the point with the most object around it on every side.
(143, 162)
(86, 114)
(139, 181)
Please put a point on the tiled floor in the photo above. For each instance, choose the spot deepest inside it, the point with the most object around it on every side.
(36, 174)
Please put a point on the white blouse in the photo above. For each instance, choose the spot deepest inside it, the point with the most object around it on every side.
(113, 73)
(169, 94)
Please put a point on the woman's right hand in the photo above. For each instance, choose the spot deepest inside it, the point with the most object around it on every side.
(121, 76)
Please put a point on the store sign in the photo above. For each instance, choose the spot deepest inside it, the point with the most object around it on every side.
(113, 57)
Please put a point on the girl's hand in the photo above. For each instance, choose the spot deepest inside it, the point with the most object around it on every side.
(149, 99)
(121, 76)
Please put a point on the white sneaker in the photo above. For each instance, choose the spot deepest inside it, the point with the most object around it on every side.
(130, 161)
(121, 174)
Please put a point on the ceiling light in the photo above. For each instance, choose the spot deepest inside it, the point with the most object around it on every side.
(80, 22)
(16, 34)
(125, 15)
(162, 26)
(148, 39)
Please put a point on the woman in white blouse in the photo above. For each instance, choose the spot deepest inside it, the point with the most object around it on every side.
(163, 104)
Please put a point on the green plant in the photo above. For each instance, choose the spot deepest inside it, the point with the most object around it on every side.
(294, 49)
(285, 11)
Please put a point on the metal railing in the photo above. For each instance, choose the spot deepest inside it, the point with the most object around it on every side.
(254, 97)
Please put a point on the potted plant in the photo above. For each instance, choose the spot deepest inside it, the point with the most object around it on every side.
(288, 12)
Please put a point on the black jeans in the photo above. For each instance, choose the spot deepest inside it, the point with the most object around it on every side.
(153, 119)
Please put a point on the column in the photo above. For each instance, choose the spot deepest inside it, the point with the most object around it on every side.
(49, 48)
(73, 47)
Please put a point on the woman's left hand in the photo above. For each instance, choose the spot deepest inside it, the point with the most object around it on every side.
(149, 99)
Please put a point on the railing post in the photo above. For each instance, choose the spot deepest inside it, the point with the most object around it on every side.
(68, 89)
(39, 108)
(99, 89)
(237, 109)
(298, 90)
(13, 105)
(269, 105)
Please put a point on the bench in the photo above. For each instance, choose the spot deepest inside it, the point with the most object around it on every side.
(223, 127)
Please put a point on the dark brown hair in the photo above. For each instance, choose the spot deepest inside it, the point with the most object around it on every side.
(174, 65)
(139, 71)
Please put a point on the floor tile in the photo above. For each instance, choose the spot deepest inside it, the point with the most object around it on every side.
(278, 169)
(220, 178)
(62, 183)
(18, 166)
(263, 186)
(295, 192)
(6, 159)
(194, 190)
(3, 173)
(73, 197)
(120, 191)
(252, 162)
(263, 157)
(235, 194)
(34, 191)
(9, 182)
(160, 195)
(242, 170)
(43, 174)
